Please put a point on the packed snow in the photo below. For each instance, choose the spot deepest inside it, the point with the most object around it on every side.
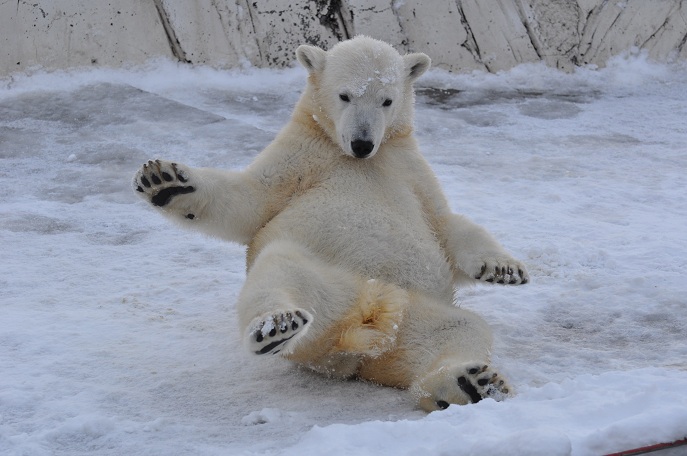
(118, 332)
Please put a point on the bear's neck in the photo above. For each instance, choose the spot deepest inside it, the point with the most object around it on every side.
(311, 116)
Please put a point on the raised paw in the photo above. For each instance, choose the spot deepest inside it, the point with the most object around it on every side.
(463, 384)
(159, 181)
(273, 333)
(504, 271)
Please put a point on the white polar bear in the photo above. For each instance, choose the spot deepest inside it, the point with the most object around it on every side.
(353, 252)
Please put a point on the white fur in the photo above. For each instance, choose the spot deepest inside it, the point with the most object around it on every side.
(367, 250)
(368, 75)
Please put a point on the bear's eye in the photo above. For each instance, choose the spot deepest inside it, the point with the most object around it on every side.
(344, 97)
(387, 102)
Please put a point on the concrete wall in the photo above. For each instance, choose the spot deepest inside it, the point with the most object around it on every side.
(460, 35)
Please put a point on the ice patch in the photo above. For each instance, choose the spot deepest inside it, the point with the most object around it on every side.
(39, 224)
(548, 109)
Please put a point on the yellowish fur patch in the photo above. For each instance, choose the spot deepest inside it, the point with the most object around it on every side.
(370, 328)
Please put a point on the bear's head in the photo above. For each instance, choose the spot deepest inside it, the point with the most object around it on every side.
(362, 92)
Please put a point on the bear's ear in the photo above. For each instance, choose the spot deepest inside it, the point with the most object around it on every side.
(415, 65)
(311, 57)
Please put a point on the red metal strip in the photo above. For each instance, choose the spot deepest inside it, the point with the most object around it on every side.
(650, 448)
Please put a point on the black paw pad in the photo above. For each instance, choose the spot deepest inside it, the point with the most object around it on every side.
(273, 333)
(442, 404)
(165, 195)
(481, 272)
(469, 389)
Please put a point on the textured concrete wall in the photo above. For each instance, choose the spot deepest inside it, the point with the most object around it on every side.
(64, 33)
(460, 35)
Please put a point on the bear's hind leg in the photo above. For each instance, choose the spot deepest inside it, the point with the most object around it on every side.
(314, 313)
(441, 355)
(461, 371)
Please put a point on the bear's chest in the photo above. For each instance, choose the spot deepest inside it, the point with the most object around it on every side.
(370, 223)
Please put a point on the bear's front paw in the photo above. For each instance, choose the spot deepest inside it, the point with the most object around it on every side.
(506, 271)
(160, 181)
(277, 332)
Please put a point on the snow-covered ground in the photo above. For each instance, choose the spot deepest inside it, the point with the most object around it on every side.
(117, 331)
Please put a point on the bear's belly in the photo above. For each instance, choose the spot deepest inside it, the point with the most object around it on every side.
(376, 238)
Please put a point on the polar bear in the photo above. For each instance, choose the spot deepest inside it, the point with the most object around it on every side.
(353, 253)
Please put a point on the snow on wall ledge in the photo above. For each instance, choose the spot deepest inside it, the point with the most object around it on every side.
(459, 35)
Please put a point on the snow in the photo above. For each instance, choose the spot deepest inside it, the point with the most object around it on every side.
(118, 332)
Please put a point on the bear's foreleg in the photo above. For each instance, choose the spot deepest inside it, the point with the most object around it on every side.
(227, 204)
(477, 255)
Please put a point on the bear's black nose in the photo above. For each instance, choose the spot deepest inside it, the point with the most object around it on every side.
(361, 148)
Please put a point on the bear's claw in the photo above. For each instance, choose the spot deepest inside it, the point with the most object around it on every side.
(505, 275)
(277, 332)
(160, 181)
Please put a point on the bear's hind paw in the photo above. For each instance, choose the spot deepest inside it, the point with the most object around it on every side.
(462, 384)
(481, 382)
(276, 332)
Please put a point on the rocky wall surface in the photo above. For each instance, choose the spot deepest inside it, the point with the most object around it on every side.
(459, 35)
